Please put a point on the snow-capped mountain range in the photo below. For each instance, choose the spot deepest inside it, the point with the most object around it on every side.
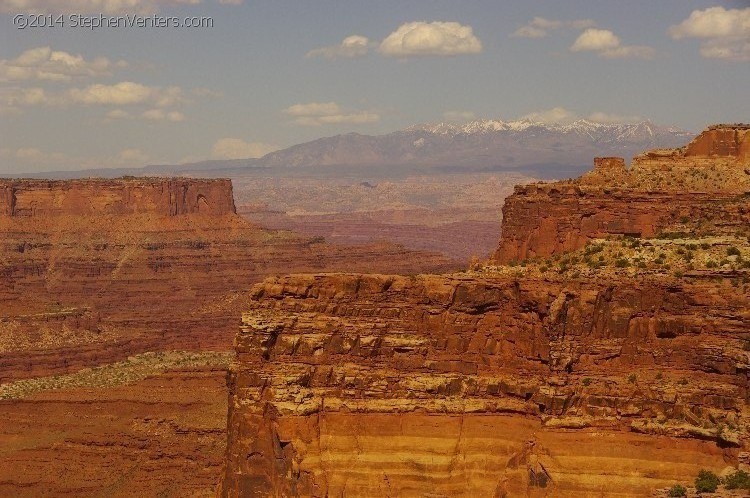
(483, 145)
(593, 129)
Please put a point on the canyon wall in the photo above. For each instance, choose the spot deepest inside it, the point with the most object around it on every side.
(704, 186)
(540, 220)
(102, 282)
(617, 379)
(159, 196)
(372, 385)
(96, 270)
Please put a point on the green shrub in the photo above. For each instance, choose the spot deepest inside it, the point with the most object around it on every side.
(706, 482)
(733, 251)
(738, 480)
(677, 491)
(632, 378)
(586, 381)
(622, 263)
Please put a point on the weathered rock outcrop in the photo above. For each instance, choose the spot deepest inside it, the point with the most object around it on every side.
(705, 185)
(351, 385)
(94, 197)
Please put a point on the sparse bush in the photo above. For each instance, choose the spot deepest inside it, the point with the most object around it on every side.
(733, 251)
(706, 482)
(677, 491)
(738, 480)
(632, 378)
(586, 381)
(622, 263)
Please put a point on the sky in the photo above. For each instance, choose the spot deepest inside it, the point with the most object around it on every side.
(267, 75)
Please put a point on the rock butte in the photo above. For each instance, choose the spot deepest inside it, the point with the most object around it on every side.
(489, 384)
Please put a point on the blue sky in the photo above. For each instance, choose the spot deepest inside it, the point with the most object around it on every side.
(275, 73)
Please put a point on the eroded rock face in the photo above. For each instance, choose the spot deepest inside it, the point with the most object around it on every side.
(490, 384)
(364, 385)
(93, 271)
(159, 196)
(703, 186)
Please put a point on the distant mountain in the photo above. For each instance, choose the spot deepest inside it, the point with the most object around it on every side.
(525, 146)
(486, 145)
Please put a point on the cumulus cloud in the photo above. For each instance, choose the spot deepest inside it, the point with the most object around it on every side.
(14, 97)
(606, 44)
(155, 103)
(556, 115)
(434, 38)
(725, 32)
(458, 116)
(94, 6)
(351, 46)
(43, 63)
(561, 115)
(123, 93)
(126, 93)
(539, 27)
(236, 148)
(320, 113)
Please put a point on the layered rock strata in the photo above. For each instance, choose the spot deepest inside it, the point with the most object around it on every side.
(96, 270)
(704, 186)
(504, 381)
(365, 385)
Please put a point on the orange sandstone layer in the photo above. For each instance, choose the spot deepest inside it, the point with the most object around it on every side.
(365, 385)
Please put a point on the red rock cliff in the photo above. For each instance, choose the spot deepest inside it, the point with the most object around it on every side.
(169, 197)
(707, 182)
(463, 386)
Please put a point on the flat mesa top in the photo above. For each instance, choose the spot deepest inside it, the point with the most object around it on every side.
(142, 180)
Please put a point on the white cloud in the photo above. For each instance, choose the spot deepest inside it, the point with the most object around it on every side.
(606, 44)
(90, 6)
(539, 27)
(236, 148)
(320, 113)
(351, 46)
(726, 32)
(435, 38)
(127, 93)
(595, 39)
(458, 116)
(15, 97)
(556, 115)
(561, 115)
(43, 63)
(122, 93)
